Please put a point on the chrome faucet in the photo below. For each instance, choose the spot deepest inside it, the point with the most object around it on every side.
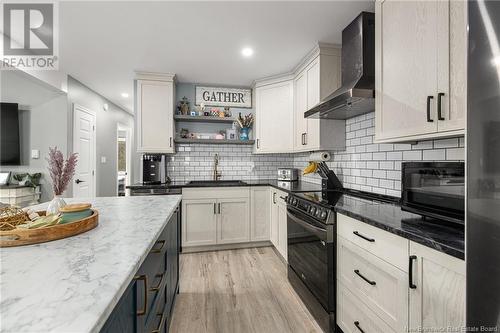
(217, 174)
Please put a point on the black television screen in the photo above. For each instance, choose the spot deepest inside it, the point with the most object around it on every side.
(9, 134)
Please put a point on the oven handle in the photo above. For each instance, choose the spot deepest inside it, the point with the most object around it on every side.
(318, 231)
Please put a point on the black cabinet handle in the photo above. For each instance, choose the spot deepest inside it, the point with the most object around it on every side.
(410, 270)
(78, 181)
(440, 116)
(364, 237)
(170, 141)
(356, 323)
(144, 278)
(274, 197)
(364, 278)
(215, 208)
(218, 208)
(305, 139)
(258, 141)
(429, 120)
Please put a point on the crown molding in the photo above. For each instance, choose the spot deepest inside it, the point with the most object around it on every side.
(140, 75)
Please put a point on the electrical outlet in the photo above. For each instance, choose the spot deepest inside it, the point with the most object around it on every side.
(35, 154)
(103, 159)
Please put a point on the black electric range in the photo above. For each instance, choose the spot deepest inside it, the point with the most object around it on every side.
(312, 233)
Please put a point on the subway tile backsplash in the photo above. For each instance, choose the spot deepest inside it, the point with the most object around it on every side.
(372, 167)
(364, 165)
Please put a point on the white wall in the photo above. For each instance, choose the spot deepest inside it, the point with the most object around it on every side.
(43, 122)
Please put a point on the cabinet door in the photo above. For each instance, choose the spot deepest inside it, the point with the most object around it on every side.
(274, 108)
(123, 317)
(282, 231)
(300, 94)
(199, 222)
(411, 52)
(455, 103)
(233, 221)
(260, 214)
(312, 137)
(155, 122)
(438, 299)
(274, 218)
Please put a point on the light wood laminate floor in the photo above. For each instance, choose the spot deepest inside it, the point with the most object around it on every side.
(235, 291)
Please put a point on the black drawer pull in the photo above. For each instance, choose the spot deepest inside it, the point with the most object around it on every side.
(440, 115)
(410, 270)
(364, 237)
(144, 278)
(364, 278)
(429, 120)
(161, 276)
(356, 323)
(158, 250)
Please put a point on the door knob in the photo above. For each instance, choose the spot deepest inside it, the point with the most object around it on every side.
(78, 181)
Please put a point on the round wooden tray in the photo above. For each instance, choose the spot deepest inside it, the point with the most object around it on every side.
(19, 237)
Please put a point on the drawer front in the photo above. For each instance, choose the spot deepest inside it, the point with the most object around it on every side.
(387, 246)
(153, 268)
(381, 286)
(353, 316)
(215, 192)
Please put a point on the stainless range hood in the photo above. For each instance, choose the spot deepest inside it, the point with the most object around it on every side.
(356, 96)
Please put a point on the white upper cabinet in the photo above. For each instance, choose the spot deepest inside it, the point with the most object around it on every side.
(155, 94)
(419, 69)
(317, 78)
(280, 103)
(274, 117)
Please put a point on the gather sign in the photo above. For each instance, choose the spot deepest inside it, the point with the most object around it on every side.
(218, 96)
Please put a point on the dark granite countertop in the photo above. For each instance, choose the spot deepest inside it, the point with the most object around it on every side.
(290, 187)
(392, 218)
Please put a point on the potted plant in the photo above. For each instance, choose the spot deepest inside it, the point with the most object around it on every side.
(61, 172)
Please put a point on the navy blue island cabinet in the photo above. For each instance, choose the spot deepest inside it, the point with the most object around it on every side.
(148, 301)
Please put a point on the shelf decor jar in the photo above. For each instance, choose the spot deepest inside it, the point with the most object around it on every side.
(61, 172)
(245, 124)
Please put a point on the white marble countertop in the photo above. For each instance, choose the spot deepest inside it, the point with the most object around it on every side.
(73, 284)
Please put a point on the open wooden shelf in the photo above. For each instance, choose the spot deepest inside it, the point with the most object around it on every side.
(215, 141)
(204, 119)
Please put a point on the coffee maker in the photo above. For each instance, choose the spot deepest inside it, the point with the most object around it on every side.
(153, 169)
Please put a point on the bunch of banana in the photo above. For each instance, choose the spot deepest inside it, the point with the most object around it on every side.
(312, 167)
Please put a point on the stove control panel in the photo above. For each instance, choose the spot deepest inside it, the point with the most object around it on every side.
(319, 212)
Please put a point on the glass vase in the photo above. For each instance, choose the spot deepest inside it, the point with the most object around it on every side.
(244, 134)
(56, 204)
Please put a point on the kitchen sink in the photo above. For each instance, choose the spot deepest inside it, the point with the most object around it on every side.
(215, 183)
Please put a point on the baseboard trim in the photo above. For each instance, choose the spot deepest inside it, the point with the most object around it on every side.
(221, 247)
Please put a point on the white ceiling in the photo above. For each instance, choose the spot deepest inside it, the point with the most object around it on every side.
(102, 43)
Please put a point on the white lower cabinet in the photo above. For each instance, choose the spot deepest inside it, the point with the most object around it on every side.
(279, 222)
(375, 293)
(437, 300)
(233, 220)
(353, 316)
(260, 212)
(199, 221)
(214, 216)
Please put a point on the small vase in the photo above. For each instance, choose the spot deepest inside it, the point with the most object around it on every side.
(244, 134)
(56, 204)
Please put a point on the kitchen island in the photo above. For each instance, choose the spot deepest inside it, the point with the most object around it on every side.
(73, 284)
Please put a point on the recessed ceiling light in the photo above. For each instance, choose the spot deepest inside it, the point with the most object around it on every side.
(247, 52)
(124, 95)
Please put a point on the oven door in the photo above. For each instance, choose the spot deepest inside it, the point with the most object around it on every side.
(311, 255)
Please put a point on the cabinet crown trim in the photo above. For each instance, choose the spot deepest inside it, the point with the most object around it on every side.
(155, 76)
(319, 49)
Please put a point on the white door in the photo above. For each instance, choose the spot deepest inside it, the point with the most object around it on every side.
(260, 214)
(437, 300)
(199, 222)
(275, 112)
(411, 52)
(233, 221)
(155, 116)
(312, 137)
(84, 144)
(282, 231)
(300, 107)
(274, 219)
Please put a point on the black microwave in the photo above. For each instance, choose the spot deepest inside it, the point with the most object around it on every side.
(434, 189)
